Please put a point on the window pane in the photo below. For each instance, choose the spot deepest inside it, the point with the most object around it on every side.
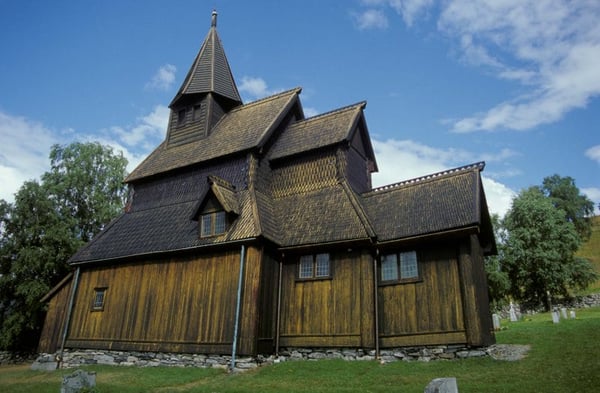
(306, 266)
(389, 267)
(322, 265)
(408, 265)
(205, 226)
(220, 222)
(99, 298)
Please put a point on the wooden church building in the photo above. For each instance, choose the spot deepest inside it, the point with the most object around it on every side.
(252, 228)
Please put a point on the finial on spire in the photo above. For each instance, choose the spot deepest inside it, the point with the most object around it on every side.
(213, 20)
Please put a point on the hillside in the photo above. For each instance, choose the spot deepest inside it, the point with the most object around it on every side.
(591, 251)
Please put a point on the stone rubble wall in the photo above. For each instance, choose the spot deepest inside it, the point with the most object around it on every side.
(578, 302)
(7, 357)
(77, 358)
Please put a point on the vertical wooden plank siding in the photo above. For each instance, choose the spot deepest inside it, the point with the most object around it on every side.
(54, 323)
(425, 312)
(182, 304)
(324, 312)
(474, 288)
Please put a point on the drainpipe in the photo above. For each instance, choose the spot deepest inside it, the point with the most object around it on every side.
(68, 317)
(376, 301)
(238, 306)
(278, 322)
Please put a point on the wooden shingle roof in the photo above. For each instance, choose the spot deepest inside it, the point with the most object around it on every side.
(320, 131)
(244, 128)
(440, 202)
(210, 71)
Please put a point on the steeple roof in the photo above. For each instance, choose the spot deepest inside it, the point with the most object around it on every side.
(210, 72)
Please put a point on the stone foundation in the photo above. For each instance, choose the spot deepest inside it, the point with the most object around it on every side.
(77, 358)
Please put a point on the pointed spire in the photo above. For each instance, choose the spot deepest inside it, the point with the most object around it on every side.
(210, 72)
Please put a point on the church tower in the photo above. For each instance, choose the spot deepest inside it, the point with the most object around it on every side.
(207, 93)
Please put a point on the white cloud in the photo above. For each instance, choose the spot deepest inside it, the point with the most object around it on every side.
(371, 19)
(24, 155)
(550, 47)
(310, 112)
(594, 194)
(163, 79)
(403, 160)
(147, 131)
(593, 153)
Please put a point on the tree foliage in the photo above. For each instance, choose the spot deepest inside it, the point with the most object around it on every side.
(45, 225)
(565, 196)
(497, 278)
(538, 254)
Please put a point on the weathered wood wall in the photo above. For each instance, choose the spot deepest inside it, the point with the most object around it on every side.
(181, 305)
(426, 312)
(52, 332)
(329, 312)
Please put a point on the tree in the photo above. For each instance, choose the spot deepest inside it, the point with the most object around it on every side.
(45, 225)
(565, 195)
(497, 278)
(539, 250)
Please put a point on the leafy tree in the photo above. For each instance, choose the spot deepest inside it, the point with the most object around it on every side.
(539, 250)
(497, 278)
(565, 195)
(45, 225)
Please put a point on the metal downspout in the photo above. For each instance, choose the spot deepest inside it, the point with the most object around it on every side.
(278, 321)
(68, 318)
(238, 306)
(376, 303)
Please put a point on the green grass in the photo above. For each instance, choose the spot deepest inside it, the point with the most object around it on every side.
(563, 358)
(591, 251)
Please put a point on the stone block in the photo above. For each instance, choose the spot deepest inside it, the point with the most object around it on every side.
(442, 385)
(77, 381)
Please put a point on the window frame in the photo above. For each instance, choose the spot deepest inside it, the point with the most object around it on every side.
(214, 217)
(99, 305)
(400, 268)
(314, 261)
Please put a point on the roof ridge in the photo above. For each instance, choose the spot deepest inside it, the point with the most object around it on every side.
(361, 104)
(446, 173)
(296, 90)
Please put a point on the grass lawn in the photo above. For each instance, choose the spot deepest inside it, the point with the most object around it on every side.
(563, 358)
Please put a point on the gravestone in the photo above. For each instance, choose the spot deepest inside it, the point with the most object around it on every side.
(572, 314)
(77, 381)
(442, 385)
(563, 312)
(513, 313)
(496, 321)
(555, 316)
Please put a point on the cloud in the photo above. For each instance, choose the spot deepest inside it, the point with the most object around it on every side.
(24, 155)
(551, 48)
(370, 19)
(594, 194)
(406, 159)
(163, 79)
(593, 153)
(147, 131)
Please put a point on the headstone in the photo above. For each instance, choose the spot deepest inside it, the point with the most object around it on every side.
(563, 312)
(555, 316)
(572, 314)
(512, 312)
(77, 381)
(496, 321)
(442, 385)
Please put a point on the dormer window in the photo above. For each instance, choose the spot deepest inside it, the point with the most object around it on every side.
(212, 224)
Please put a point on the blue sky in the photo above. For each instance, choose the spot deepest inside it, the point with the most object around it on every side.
(515, 83)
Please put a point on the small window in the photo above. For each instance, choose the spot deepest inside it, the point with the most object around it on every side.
(314, 266)
(197, 114)
(181, 117)
(212, 224)
(399, 266)
(99, 297)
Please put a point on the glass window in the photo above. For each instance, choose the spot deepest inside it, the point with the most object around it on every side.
(399, 266)
(99, 295)
(314, 266)
(408, 265)
(389, 267)
(220, 222)
(213, 223)
(181, 116)
(322, 262)
(206, 225)
(306, 266)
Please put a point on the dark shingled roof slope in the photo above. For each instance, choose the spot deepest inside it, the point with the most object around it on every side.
(210, 71)
(323, 130)
(436, 203)
(244, 128)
